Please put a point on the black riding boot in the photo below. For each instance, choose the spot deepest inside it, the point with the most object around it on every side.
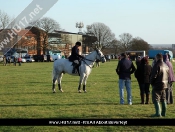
(142, 98)
(74, 68)
(147, 99)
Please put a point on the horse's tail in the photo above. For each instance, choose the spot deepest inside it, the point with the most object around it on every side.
(53, 72)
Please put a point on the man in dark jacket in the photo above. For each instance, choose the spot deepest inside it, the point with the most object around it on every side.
(124, 69)
(159, 82)
(75, 57)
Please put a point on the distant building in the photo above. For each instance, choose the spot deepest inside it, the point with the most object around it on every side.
(38, 42)
(173, 46)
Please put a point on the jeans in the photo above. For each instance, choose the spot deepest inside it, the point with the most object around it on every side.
(127, 84)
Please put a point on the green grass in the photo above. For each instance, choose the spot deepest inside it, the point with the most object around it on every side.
(26, 92)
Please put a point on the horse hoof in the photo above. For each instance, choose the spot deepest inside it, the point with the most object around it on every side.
(85, 91)
(61, 90)
(54, 92)
(79, 91)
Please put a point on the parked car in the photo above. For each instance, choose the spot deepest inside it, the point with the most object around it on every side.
(45, 58)
(55, 57)
(38, 58)
(23, 60)
(29, 59)
(12, 59)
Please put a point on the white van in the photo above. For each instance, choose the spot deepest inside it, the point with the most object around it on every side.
(56, 56)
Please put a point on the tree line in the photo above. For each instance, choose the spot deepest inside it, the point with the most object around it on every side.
(105, 37)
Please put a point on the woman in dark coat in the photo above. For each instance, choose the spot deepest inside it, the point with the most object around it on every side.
(142, 74)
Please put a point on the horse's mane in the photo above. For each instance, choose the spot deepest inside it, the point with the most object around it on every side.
(90, 54)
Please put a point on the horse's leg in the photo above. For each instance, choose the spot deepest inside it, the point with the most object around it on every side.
(59, 82)
(84, 84)
(79, 88)
(80, 83)
(53, 85)
(54, 82)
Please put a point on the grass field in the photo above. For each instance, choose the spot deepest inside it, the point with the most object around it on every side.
(25, 92)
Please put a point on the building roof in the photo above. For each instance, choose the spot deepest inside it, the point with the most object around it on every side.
(26, 32)
(22, 32)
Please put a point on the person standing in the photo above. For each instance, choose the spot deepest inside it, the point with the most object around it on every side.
(159, 82)
(19, 61)
(4, 60)
(138, 61)
(124, 69)
(97, 63)
(142, 74)
(14, 61)
(109, 57)
(9, 60)
(169, 90)
(75, 57)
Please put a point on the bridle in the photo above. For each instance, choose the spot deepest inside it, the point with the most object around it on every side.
(92, 60)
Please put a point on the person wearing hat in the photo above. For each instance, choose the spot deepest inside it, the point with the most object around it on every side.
(75, 57)
(124, 69)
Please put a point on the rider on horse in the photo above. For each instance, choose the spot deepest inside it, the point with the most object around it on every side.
(75, 57)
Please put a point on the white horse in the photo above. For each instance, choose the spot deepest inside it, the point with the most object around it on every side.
(61, 66)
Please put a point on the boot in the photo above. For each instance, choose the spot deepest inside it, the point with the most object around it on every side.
(158, 110)
(147, 99)
(142, 98)
(167, 96)
(74, 68)
(164, 106)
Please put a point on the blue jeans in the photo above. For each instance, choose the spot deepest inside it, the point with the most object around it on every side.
(127, 84)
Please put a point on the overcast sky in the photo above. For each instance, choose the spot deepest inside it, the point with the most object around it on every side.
(151, 20)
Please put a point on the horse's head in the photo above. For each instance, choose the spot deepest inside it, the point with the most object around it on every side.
(100, 56)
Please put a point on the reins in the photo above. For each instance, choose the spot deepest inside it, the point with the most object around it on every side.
(88, 60)
(85, 61)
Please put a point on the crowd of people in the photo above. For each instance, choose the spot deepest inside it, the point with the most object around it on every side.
(7, 60)
(159, 75)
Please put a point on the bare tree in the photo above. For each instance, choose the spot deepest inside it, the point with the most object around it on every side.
(139, 44)
(125, 42)
(4, 19)
(103, 33)
(115, 45)
(12, 23)
(48, 25)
